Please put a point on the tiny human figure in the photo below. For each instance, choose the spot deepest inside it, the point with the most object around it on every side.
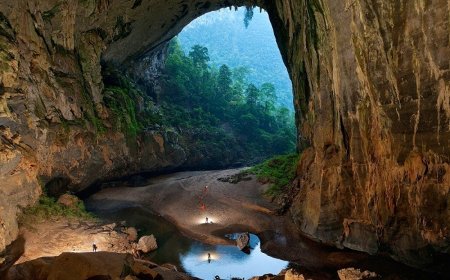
(209, 258)
(94, 247)
(207, 222)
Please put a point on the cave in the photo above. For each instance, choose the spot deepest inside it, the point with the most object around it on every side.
(371, 95)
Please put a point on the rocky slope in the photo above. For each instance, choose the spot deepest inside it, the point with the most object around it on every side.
(371, 81)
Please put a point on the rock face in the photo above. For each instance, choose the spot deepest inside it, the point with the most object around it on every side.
(243, 240)
(55, 129)
(372, 94)
(355, 274)
(372, 97)
(147, 243)
(82, 266)
(69, 200)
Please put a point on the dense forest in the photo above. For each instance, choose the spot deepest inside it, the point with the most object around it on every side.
(220, 117)
(223, 106)
(235, 40)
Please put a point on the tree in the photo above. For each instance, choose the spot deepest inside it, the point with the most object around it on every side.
(268, 97)
(200, 56)
(252, 94)
(224, 83)
(219, 109)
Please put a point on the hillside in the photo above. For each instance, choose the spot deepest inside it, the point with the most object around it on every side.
(229, 42)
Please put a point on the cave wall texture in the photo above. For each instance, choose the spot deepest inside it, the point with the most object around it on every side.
(372, 98)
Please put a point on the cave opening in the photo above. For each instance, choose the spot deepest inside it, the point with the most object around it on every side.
(220, 88)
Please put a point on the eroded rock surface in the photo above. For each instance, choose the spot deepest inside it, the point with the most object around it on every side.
(55, 128)
(371, 81)
(147, 243)
(100, 265)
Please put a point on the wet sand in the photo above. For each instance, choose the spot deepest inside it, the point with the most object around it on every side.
(231, 208)
(184, 199)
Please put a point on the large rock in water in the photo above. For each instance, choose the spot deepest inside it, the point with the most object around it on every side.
(242, 241)
(147, 243)
(372, 98)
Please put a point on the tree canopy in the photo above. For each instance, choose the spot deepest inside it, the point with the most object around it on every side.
(222, 106)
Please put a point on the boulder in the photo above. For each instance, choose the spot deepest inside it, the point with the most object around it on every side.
(355, 274)
(131, 233)
(292, 275)
(91, 266)
(129, 277)
(170, 266)
(243, 240)
(147, 243)
(144, 272)
(69, 200)
(109, 227)
(73, 266)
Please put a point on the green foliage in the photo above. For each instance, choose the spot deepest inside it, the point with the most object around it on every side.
(219, 105)
(132, 110)
(279, 171)
(120, 101)
(199, 56)
(47, 208)
(253, 49)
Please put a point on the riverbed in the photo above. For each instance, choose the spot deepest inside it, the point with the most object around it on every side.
(181, 203)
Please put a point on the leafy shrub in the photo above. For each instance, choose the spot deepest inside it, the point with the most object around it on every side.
(279, 171)
(47, 208)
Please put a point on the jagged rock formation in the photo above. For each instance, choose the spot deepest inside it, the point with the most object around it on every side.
(372, 96)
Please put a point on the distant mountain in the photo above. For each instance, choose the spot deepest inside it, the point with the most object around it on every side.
(224, 34)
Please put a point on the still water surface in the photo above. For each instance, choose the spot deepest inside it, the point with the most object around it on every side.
(191, 256)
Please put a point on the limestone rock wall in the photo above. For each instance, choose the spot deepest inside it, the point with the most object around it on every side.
(372, 89)
(55, 129)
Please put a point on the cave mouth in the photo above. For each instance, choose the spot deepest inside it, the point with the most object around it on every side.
(220, 86)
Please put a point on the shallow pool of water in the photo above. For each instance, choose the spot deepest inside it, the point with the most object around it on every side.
(191, 256)
(229, 261)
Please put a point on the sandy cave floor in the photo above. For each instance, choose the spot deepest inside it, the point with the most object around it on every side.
(177, 197)
(182, 199)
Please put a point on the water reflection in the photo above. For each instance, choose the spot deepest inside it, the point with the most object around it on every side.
(229, 261)
(192, 256)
